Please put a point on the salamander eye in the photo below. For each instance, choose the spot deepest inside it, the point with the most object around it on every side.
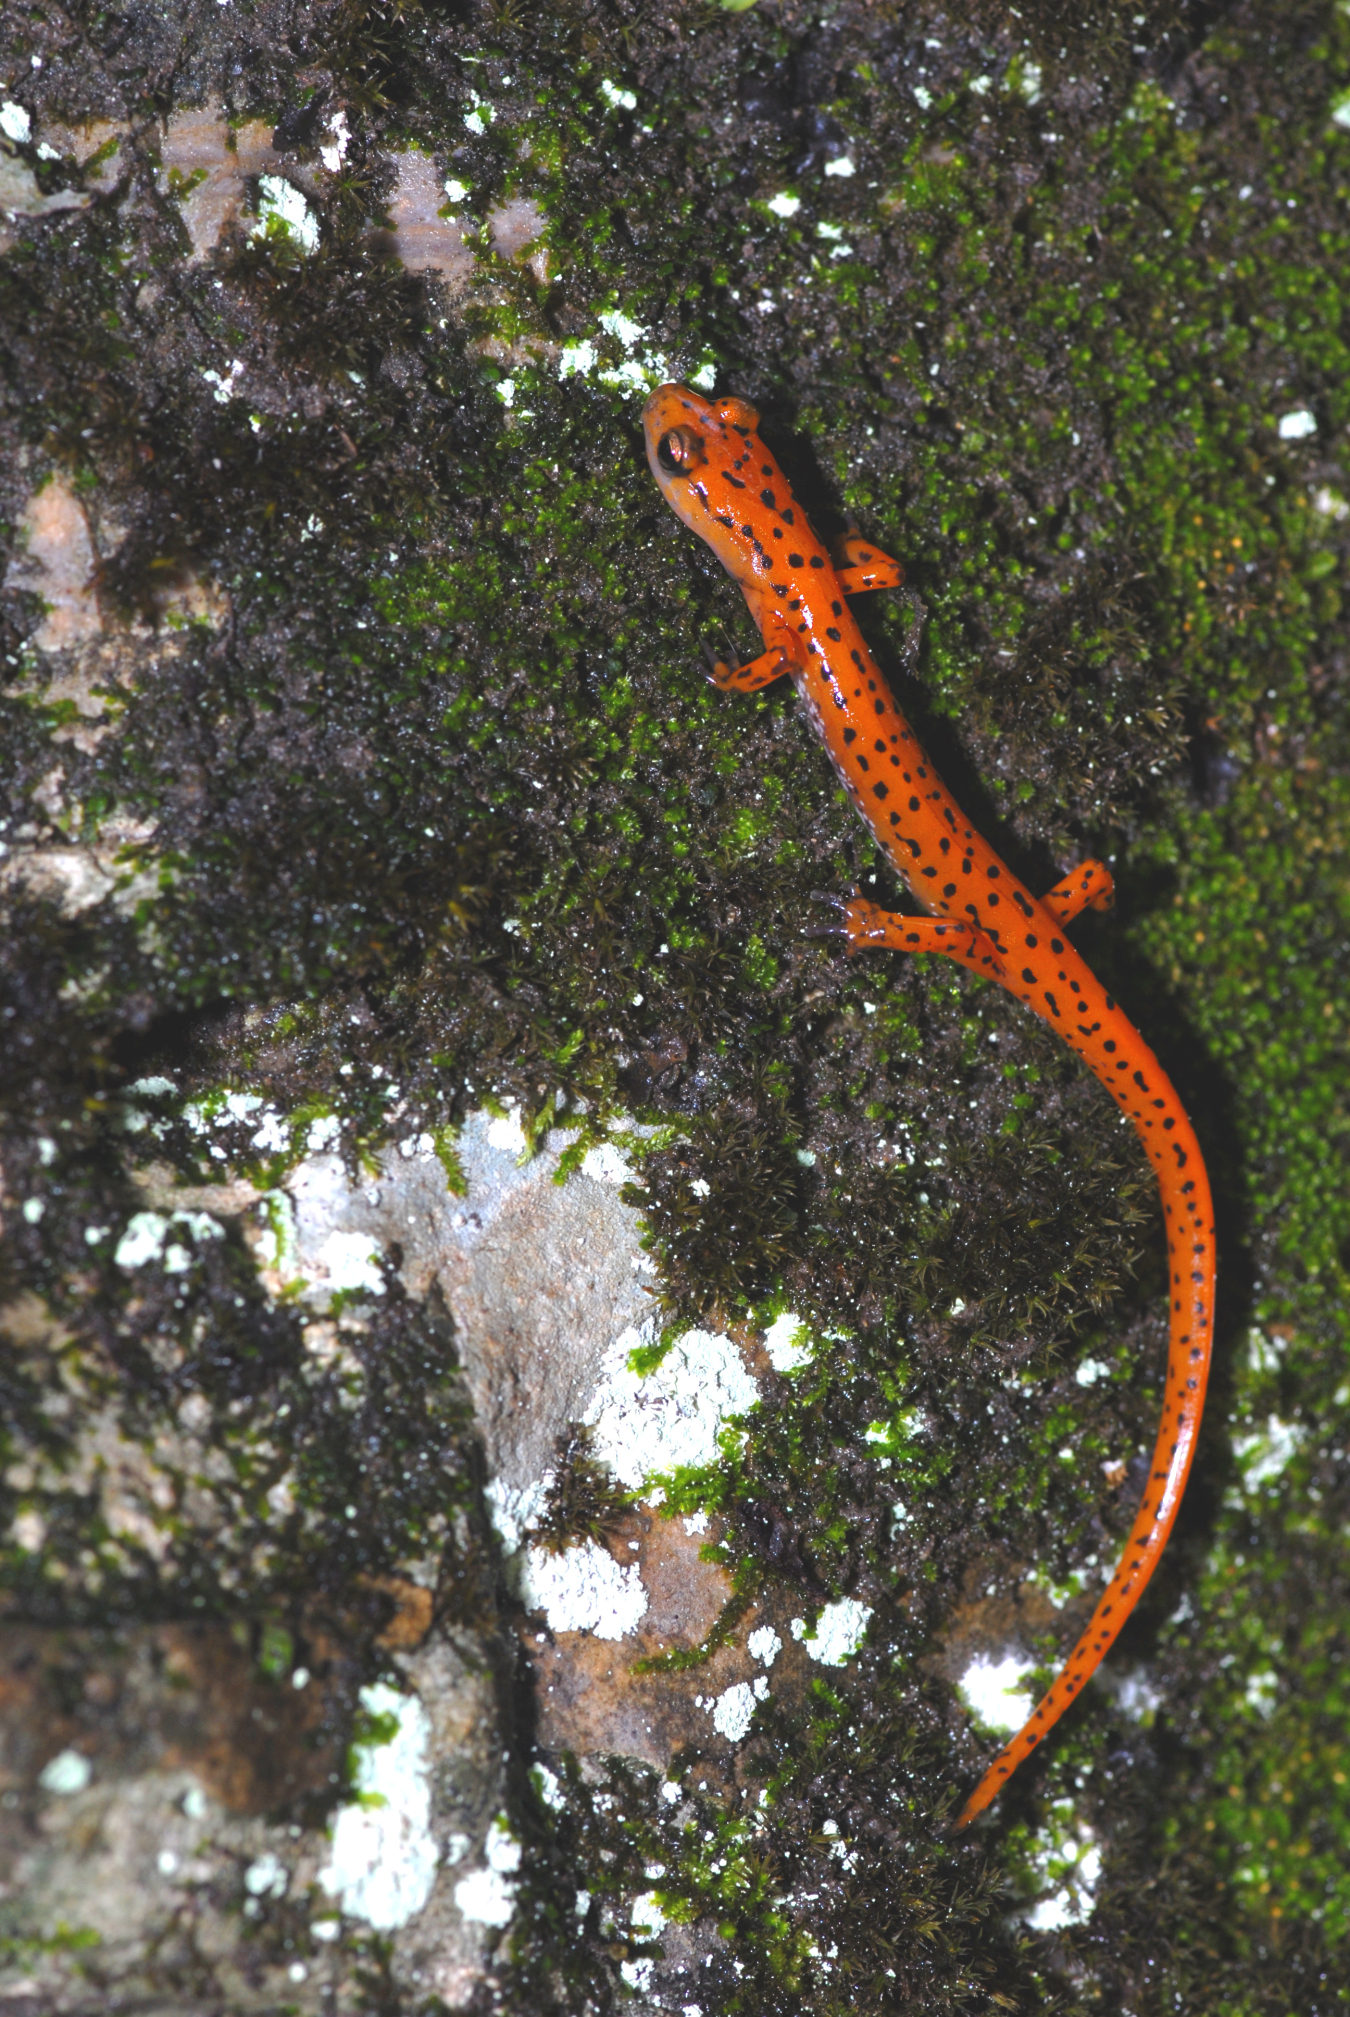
(737, 413)
(676, 450)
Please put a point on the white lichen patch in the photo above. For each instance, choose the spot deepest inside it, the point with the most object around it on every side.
(68, 1772)
(733, 1710)
(382, 1863)
(504, 1132)
(787, 1342)
(1062, 1870)
(641, 368)
(648, 1919)
(488, 1896)
(351, 1261)
(267, 1877)
(1137, 1695)
(147, 1239)
(764, 1645)
(651, 1424)
(283, 212)
(512, 1509)
(994, 1691)
(1261, 1691)
(839, 1632)
(584, 1590)
(333, 151)
(606, 1164)
(1264, 1454)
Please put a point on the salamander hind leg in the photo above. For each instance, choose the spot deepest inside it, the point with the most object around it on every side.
(1087, 887)
(761, 671)
(866, 927)
(861, 566)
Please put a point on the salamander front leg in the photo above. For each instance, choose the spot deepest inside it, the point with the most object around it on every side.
(866, 927)
(1087, 887)
(860, 566)
(761, 671)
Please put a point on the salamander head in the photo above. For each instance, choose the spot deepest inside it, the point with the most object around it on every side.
(712, 468)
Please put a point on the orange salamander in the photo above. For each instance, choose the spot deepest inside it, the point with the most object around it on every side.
(717, 475)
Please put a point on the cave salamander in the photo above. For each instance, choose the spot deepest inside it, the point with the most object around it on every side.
(716, 473)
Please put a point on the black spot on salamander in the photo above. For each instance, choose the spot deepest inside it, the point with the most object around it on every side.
(766, 497)
(851, 735)
(949, 889)
(836, 609)
(1022, 903)
(766, 469)
(992, 899)
(863, 764)
(832, 633)
(795, 560)
(734, 481)
(1056, 945)
(914, 805)
(856, 656)
(1110, 1044)
(1054, 1005)
(749, 532)
(778, 532)
(796, 602)
(930, 871)
(992, 872)
(1028, 974)
(722, 519)
(880, 747)
(880, 705)
(1032, 940)
(789, 518)
(895, 819)
(816, 560)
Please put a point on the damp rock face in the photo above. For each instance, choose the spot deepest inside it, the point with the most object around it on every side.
(549, 1423)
